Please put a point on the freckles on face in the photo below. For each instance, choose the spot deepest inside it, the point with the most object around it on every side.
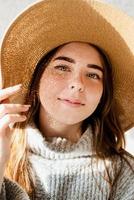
(50, 83)
(93, 96)
(55, 83)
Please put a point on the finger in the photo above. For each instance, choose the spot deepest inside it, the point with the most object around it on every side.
(5, 101)
(10, 118)
(12, 109)
(7, 92)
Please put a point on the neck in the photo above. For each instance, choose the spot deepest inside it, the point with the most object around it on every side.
(52, 128)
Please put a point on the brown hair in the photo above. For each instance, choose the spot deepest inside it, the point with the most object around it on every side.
(108, 136)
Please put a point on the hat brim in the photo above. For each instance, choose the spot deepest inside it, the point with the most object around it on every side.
(48, 24)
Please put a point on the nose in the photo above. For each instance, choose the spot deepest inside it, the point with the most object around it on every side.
(76, 84)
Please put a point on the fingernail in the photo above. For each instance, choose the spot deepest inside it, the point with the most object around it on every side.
(17, 86)
(24, 117)
(26, 108)
(27, 105)
(14, 88)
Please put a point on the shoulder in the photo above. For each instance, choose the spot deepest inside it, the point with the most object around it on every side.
(123, 186)
(12, 190)
(127, 161)
(124, 163)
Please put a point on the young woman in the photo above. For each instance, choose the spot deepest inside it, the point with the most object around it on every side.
(62, 136)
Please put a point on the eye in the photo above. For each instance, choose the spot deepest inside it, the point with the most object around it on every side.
(62, 67)
(93, 76)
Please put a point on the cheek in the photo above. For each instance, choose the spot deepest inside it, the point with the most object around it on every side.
(51, 84)
(94, 93)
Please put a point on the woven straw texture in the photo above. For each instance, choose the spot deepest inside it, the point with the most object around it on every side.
(50, 23)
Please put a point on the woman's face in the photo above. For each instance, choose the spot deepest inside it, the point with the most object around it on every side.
(75, 74)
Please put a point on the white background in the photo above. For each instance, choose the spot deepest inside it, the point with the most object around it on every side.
(9, 9)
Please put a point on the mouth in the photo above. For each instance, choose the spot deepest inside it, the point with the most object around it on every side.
(72, 101)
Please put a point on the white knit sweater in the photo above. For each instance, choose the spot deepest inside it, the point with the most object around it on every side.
(68, 171)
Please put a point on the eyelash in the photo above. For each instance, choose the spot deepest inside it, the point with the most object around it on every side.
(90, 75)
(61, 66)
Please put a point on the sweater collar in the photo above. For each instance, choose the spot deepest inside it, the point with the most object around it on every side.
(58, 148)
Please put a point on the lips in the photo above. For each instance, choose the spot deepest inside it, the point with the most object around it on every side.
(73, 101)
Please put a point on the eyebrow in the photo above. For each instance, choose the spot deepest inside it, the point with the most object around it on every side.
(71, 60)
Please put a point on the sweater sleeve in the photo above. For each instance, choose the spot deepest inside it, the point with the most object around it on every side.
(12, 190)
(124, 188)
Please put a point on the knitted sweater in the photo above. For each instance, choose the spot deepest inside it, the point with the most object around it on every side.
(68, 171)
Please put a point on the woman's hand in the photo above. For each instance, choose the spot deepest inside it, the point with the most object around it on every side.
(9, 114)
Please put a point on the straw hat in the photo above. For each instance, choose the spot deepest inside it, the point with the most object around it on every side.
(50, 23)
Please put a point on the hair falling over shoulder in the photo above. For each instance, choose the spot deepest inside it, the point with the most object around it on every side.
(108, 136)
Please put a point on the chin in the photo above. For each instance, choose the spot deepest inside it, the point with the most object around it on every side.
(69, 121)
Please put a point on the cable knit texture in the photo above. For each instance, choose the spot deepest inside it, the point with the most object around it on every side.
(68, 171)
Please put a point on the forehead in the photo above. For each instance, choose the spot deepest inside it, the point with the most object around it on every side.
(80, 51)
(78, 46)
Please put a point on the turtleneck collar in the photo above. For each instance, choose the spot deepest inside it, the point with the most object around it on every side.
(58, 148)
